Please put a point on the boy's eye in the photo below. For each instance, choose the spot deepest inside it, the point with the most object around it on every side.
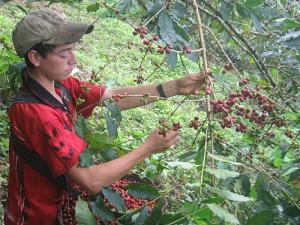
(63, 55)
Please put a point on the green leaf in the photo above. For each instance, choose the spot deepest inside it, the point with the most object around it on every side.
(143, 191)
(188, 156)
(154, 217)
(142, 216)
(112, 118)
(226, 9)
(109, 155)
(167, 31)
(288, 24)
(217, 199)
(223, 213)
(292, 211)
(183, 165)
(101, 210)
(242, 185)
(83, 214)
(262, 218)
(232, 196)
(124, 5)
(242, 10)
(257, 23)
(278, 161)
(250, 4)
(86, 158)
(263, 190)
(176, 219)
(172, 59)
(290, 40)
(93, 7)
(267, 13)
(223, 159)
(202, 214)
(99, 142)
(179, 10)
(114, 198)
(181, 32)
(81, 127)
(294, 117)
(222, 174)
(218, 146)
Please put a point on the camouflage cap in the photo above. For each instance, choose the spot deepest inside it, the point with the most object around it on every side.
(48, 27)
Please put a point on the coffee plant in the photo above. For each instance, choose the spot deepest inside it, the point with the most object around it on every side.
(245, 146)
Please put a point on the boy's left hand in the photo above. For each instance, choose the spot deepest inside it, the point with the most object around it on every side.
(191, 84)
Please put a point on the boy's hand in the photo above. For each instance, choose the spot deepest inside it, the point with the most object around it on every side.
(190, 84)
(156, 143)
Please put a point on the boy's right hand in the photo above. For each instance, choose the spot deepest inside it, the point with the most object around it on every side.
(157, 143)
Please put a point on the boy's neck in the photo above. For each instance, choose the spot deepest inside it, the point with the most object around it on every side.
(45, 82)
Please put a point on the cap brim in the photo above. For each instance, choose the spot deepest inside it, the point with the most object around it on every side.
(70, 33)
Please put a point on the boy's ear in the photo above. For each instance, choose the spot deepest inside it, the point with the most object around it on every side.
(34, 57)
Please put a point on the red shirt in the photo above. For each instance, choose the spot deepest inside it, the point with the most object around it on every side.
(48, 129)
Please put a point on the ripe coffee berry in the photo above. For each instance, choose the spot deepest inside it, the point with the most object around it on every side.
(160, 51)
(176, 126)
(208, 91)
(208, 72)
(289, 134)
(168, 50)
(155, 38)
(139, 79)
(195, 123)
(228, 66)
(146, 42)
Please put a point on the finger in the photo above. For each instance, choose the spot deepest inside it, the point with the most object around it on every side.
(172, 134)
(174, 141)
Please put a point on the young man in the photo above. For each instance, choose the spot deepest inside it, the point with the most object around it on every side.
(44, 147)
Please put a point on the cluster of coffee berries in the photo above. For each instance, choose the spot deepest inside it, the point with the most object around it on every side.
(228, 121)
(130, 201)
(139, 79)
(209, 91)
(227, 67)
(289, 134)
(187, 50)
(167, 49)
(117, 97)
(195, 123)
(279, 122)
(176, 126)
(142, 31)
(241, 128)
(164, 127)
(259, 116)
(68, 209)
(69, 204)
(244, 82)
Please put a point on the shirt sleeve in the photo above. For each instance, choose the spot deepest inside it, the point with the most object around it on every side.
(46, 134)
(86, 96)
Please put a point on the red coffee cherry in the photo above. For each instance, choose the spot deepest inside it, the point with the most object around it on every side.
(146, 42)
(228, 66)
(155, 38)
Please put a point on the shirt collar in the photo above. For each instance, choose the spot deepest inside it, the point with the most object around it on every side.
(40, 92)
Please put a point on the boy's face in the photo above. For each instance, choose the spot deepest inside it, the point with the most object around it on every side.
(58, 65)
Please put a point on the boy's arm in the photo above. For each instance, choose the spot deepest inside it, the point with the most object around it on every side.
(190, 84)
(95, 177)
